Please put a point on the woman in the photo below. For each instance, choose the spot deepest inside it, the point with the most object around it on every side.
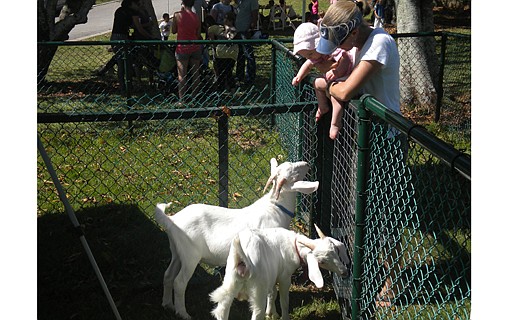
(376, 72)
(188, 56)
(377, 61)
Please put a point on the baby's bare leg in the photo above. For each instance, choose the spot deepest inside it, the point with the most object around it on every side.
(322, 100)
(336, 117)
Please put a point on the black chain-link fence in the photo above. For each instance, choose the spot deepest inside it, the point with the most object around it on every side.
(143, 144)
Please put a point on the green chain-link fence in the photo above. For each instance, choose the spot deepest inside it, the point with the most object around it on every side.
(141, 146)
(400, 200)
(146, 147)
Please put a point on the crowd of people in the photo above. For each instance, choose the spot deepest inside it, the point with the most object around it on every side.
(196, 20)
(236, 64)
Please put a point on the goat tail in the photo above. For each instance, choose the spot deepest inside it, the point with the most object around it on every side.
(240, 260)
(161, 218)
(232, 284)
(236, 275)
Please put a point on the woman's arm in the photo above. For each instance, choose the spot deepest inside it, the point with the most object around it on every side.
(348, 89)
(175, 22)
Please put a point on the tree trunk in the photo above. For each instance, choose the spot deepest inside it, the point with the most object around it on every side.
(48, 29)
(418, 61)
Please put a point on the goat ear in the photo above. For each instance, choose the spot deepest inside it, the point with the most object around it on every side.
(319, 232)
(306, 187)
(314, 272)
(342, 251)
(273, 167)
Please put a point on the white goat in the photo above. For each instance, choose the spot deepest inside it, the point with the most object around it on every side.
(203, 233)
(260, 259)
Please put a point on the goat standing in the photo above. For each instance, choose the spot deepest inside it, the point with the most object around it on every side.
(260, 259)
(203, 233)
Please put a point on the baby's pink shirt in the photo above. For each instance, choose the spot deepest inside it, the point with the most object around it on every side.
(336, 55)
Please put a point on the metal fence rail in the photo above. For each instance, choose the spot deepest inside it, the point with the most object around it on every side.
(399, 202)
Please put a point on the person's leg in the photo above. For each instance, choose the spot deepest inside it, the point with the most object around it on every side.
(228, 73)
(322, 100)
(219, 66)
(336, 117)
(182, 70)
(120, 69)
(250, 75)
(239, 72)
(194, 72)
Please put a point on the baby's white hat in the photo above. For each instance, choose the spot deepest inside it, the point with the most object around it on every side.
(306, 37)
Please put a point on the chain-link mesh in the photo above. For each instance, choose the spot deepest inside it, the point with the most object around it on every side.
(148, 147)
(437, 88)
(143, 144)
(416, 247)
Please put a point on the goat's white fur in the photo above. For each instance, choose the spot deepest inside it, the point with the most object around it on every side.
(203, 233)
(260, 259)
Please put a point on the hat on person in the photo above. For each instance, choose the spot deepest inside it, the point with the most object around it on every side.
(306, 37)
(333, 36)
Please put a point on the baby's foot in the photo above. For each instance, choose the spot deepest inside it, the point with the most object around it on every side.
(321, 111)
(334, 130)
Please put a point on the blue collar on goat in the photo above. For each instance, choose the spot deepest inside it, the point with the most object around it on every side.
(286, 211)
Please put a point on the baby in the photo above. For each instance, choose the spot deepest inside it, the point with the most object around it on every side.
(335, 67)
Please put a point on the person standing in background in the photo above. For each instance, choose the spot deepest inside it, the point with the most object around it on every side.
(125, 17)
(314, 11)
(165, 27)
(225, 55)
(219, 10)
(187, 26)
(198, 8)
(245, 23)
(378, 12)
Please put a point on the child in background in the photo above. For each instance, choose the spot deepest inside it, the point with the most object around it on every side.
(314, 11)
(378, 12)
(321, 16)
(335, 67)
(225, 55)
(165, 27)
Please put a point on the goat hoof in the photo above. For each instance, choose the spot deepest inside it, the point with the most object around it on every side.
(184, 316)
(168, 306)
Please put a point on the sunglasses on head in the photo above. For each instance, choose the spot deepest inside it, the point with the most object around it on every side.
(339, 33)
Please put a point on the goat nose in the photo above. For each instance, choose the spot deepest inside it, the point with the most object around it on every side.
(345, 274)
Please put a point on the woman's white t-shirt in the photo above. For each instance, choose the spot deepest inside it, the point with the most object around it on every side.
(385, 84)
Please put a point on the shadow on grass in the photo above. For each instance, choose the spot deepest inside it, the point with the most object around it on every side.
(132, 254)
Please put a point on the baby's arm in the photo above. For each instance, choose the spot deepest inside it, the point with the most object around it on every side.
(303, 72)
(340, 68)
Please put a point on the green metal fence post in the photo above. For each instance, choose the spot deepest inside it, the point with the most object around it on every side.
(273, 80)
(126, 60)
(361, 198)
(440, 85)
(223, 159)
(273, 70)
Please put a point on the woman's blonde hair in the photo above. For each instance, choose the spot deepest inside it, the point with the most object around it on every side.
(343, 11)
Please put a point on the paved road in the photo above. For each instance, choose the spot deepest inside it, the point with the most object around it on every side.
(101, 16)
